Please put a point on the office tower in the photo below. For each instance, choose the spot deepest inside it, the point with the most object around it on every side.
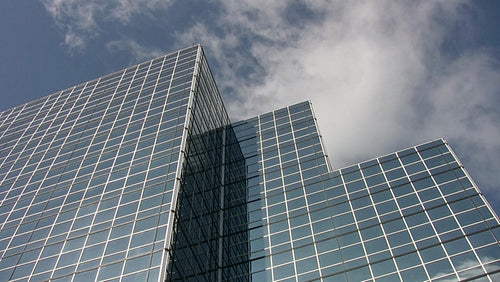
(413, 215)
(140, 176)
(89, 173)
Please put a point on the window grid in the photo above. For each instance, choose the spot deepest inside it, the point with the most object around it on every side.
(38, 191)
(82, 171)
(91, 175)
(72, 222)
(406, 204)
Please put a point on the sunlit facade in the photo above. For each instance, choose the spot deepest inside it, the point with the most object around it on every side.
(89, 174)
(141, 176)
(413, 215)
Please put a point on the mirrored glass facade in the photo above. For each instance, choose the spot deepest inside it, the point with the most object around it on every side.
(88, 175)
(413, 215)
(141, 176)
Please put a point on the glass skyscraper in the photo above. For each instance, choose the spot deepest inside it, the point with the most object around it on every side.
(141, 176)
(413, 215)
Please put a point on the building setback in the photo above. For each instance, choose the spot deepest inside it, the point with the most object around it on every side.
(141, 176)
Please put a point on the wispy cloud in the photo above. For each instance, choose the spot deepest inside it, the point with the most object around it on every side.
(381, 75)
(77, 19)
(137, 51)
(82, 20)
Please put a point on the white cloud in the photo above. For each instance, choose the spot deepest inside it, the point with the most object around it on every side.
(382, 75)
(82, 20)
(78, 19)
(73, 40)
(137, 51)
(124, 10)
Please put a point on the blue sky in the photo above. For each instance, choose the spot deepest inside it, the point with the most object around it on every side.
(382, 75)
